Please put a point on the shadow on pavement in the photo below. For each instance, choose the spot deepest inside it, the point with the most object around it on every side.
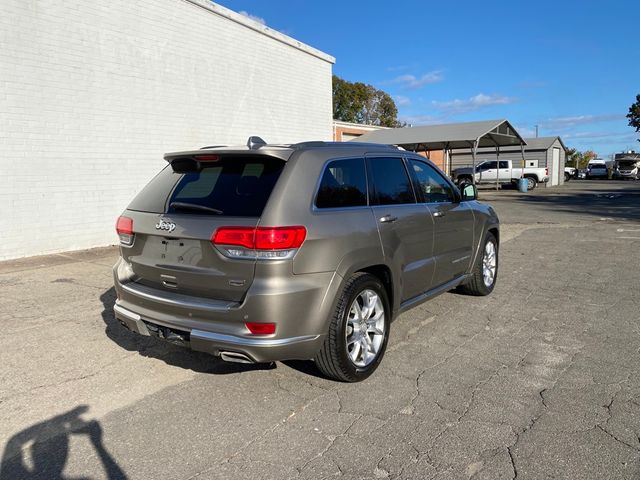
(41, 450)
(165, 351)
(620, 201)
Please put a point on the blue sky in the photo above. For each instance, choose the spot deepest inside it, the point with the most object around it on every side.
(570, 67)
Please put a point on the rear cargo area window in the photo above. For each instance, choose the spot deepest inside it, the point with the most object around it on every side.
(343, 184)
(231, 187)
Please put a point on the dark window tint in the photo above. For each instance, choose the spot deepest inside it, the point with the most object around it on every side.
(343, 184)
(153, 197)
(433, 187)
(232, 187)
(504, 164)
(390, 181)
(488, 166)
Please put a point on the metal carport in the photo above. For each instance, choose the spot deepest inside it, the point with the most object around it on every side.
(451, 136)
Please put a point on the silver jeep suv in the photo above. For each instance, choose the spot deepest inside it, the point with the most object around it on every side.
(305, 251)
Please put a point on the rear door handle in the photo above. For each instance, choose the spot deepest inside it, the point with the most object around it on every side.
(388, 219)
(438, 214)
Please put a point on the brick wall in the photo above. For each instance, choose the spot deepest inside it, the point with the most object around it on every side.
(93, 93)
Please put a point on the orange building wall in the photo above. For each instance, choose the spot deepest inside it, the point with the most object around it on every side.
(436, 156)
(338, 131)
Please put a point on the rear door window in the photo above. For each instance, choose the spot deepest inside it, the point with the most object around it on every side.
(486, 166)
(343, 184)
(390, 181)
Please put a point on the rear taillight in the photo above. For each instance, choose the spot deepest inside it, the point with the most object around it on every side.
(259, 242)
(124, 227)
(546, 172)
(279, 238)
(240, 236)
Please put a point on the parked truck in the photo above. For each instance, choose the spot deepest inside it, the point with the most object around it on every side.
(487, 172)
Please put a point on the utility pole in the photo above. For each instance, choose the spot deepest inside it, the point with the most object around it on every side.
(536, 131)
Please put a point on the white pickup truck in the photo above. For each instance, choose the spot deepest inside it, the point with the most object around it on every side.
(486, 172)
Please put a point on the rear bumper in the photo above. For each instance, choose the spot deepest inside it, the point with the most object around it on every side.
(300, 308)
(258, 350)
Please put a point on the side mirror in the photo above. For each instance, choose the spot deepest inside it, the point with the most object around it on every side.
(469, 192)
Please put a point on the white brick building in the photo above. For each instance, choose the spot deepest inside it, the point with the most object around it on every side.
(93, 93)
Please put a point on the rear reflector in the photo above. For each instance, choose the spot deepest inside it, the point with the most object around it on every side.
(261, 238)
(261, 328)
(124, 227)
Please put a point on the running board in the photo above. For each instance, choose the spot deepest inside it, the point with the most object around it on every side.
(423, 297)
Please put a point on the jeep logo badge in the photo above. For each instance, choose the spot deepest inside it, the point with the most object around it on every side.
(163, 225)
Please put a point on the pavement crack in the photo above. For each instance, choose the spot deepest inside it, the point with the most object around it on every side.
(332, 441)
(602, 429)
(541, 393)
(513, 462)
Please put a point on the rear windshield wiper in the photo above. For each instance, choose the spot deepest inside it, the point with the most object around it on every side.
(194, 206)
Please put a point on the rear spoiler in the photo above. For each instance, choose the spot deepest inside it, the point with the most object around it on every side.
(187, 162)
(193, 160)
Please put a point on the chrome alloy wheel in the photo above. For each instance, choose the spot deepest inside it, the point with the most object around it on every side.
(489, 263)
(365, 328)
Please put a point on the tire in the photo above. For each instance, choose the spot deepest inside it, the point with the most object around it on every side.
(336, 359)
(477, 285)
(531, 183)
(567, 177)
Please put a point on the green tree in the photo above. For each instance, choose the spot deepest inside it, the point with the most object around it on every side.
(634, 114)
(579, 159)
(357, 102)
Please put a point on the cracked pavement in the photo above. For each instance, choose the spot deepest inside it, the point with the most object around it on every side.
(539, 380)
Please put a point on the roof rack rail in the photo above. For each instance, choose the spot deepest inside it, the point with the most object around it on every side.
(352, 143)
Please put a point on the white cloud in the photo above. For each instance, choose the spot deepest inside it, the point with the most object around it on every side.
(622, 136)
(253, 17)
(402, 101)
(396, 68)
(556, 123)
(474, 103)
(413, 82)
(415, 120)
(526, 132)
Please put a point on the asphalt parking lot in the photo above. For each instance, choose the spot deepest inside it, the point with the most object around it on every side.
(539, 380)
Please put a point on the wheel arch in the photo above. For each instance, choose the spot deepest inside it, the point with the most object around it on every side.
(384, 274)
(496, 233)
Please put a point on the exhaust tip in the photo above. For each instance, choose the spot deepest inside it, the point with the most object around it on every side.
(235, 357)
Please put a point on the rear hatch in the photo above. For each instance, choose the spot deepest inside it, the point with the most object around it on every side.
(178, 212)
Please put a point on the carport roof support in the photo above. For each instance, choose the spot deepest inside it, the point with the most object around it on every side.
(487, 133)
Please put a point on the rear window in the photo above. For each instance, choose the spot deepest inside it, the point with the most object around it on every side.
(230, 187)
